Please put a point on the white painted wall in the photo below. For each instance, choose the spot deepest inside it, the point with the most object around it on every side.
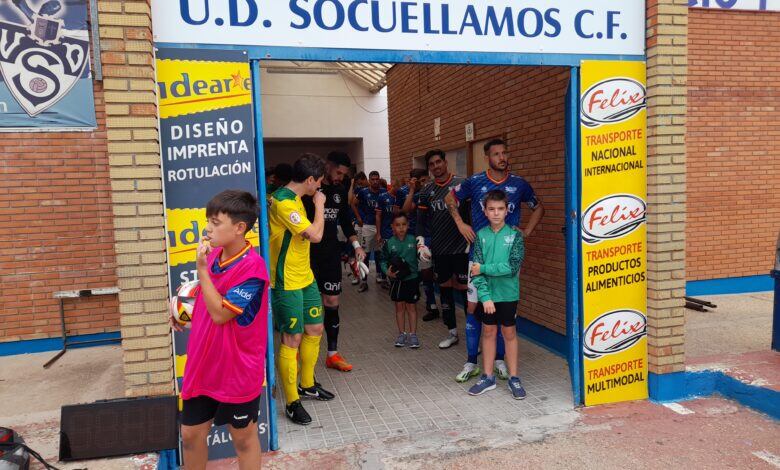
(321, 106)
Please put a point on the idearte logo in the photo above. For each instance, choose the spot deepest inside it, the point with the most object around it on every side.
(613, 217)
(612, 101)
(41, 61)
(613, 332)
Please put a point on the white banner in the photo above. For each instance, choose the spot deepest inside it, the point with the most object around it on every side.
(511, 26)
(754, 5)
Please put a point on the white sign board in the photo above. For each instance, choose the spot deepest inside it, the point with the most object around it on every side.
(754, 5)
(509, 26)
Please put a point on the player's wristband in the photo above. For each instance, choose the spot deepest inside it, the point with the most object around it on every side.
(355, 244)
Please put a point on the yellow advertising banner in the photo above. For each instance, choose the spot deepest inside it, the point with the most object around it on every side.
(207, 143)
(613, 128)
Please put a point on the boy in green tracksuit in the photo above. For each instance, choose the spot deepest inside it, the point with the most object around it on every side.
(399, 263)
(498, 253)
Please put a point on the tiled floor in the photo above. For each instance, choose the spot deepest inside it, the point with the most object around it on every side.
(400, 391)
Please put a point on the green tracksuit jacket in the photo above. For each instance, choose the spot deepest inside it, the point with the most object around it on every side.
(406, 249)
(499, 255)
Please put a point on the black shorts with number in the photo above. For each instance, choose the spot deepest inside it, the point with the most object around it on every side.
(199, 410)
(447, 266)
(506, 314)
(327, 272)
(405, 291)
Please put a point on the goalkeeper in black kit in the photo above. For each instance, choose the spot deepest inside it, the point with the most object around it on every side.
(326, 255)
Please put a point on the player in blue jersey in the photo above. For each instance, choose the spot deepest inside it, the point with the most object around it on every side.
(364, 206)
(474, 189)
(385, 210)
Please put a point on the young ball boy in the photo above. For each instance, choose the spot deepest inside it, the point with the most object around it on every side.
(399, 263)
(225, 369)
(498, 254)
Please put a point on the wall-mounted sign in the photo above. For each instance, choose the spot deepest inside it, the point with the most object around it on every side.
(45, 79)
(207, 140)
(613, 124)
(470, 132)
(531, 26)
(754, 5)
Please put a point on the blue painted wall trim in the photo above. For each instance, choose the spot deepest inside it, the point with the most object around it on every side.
(54, 344)
(730, 285)
(400, 56)
(574, 237)
(270, 365)
(687, 385)
(776, 313)
(543, 336)
(169, 460)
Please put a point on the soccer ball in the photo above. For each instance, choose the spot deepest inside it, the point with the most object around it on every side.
(38, 85)
(183, 303)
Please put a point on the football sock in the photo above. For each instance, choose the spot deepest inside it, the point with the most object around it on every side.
(288, 371)
(473, 332)
(332, 328)
(447, 306)
(430, 296)
(310, 351)
(500, 346)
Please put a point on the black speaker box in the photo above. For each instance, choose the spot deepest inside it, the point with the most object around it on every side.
(118, 427)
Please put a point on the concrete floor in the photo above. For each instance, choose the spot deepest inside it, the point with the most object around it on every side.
(31, 397)
(403, 392)
(411, 413)
(741, 323)
(704, 434)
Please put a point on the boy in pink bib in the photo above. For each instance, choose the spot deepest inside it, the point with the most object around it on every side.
(225, 369)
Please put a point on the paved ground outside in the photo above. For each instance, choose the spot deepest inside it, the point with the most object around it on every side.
(401, 391)
(701, 434)
(31, 397)
(741, 323)
(412, 414)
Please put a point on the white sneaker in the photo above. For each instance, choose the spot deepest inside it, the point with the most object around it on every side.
(502, 372)
(469, 370)
(450, 340)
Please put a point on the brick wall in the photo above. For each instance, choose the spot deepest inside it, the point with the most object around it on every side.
(524, 105)
(733, 143)
(55, 203)
(136, 184)
(666, 183)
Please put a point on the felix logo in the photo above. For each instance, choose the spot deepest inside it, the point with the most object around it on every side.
(613, 332)
(613, 217)
(612, 101)
(41, 61)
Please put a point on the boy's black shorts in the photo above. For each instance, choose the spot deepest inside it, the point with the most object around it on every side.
(327, 272)
(198, 410)
(506, 314)
(446, 266)
(405, 291)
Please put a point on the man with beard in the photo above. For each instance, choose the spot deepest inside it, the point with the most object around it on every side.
(448, 247)
(326, 255)
(474, 189)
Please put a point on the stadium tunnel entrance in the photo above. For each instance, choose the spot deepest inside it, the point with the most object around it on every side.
(322, 106)
(530, 64)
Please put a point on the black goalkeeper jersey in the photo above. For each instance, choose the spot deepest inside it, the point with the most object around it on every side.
(434, 220)
(337, 213)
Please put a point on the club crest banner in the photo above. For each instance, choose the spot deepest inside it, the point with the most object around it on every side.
(45, 77)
